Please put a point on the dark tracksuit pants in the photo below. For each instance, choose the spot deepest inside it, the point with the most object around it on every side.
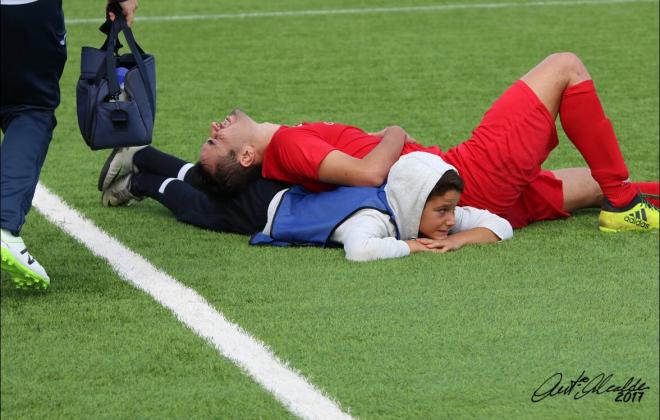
(33, 53)
(244, 212)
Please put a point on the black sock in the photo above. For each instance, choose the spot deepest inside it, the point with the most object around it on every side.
(146, 184)
(153, 160)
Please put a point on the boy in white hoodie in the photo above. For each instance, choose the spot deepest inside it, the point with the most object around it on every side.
(415, 211)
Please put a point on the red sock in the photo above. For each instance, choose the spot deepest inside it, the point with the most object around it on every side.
(652, 188)
(586, 125)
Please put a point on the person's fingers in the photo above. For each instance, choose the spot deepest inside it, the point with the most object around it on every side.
(129, 13)
(437, 243)
(128, 8)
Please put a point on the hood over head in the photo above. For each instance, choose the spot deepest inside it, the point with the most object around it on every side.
(409, 184)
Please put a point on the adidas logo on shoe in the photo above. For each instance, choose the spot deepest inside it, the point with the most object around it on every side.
(638, 218)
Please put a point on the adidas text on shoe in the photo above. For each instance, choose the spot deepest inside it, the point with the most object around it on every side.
(24, 270)
(638, 216)
(118, 164)
(119, 193)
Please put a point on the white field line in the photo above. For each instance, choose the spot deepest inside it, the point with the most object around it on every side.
(289, 387)
(367, 10)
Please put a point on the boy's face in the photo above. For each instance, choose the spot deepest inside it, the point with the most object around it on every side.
(438, 215)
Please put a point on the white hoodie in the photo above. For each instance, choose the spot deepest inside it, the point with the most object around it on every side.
(370, 235)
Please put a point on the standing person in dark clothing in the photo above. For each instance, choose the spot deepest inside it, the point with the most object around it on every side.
(33, 52)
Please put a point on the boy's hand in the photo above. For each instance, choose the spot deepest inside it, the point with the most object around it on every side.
(416, 246)
(450, 243)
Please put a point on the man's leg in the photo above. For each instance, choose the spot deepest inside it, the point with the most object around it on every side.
(565, 87)
(550, 78)
(33, 53)
(158, 162)
(504, 156)
(580, 189)
(179, 186)
(23, 151)
(27, 135)
(117, 175)
(574, 188)
(650, 191)
(129, 160)
(563, 84)
(555, 194)
(243, 213)
(125, 160)
(187, 203)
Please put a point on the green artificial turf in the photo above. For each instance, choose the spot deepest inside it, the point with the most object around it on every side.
(469, 334)
(94, 347)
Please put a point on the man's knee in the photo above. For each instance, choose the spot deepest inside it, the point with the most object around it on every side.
(569, 65)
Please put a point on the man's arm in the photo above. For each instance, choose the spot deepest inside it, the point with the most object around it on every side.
(342, 169)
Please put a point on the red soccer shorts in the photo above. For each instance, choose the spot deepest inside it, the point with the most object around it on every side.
(501, 163)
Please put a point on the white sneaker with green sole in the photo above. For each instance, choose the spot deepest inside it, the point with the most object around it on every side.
(25, 271)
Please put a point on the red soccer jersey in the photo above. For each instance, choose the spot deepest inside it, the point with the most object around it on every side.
(294, 154)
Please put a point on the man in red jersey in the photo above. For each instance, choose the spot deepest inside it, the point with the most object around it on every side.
(500, 163)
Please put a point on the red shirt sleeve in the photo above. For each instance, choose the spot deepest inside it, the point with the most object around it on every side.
(294, 155)
(415, 147)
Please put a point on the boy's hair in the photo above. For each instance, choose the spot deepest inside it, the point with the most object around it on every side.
(450, 180)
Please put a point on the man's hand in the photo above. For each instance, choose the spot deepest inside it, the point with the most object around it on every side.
(381, 134)
(128, 8)
(340, 168)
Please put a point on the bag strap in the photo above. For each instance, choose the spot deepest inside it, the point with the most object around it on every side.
(111, 63)
(106, 28)
(120, 21)
(112, 46)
